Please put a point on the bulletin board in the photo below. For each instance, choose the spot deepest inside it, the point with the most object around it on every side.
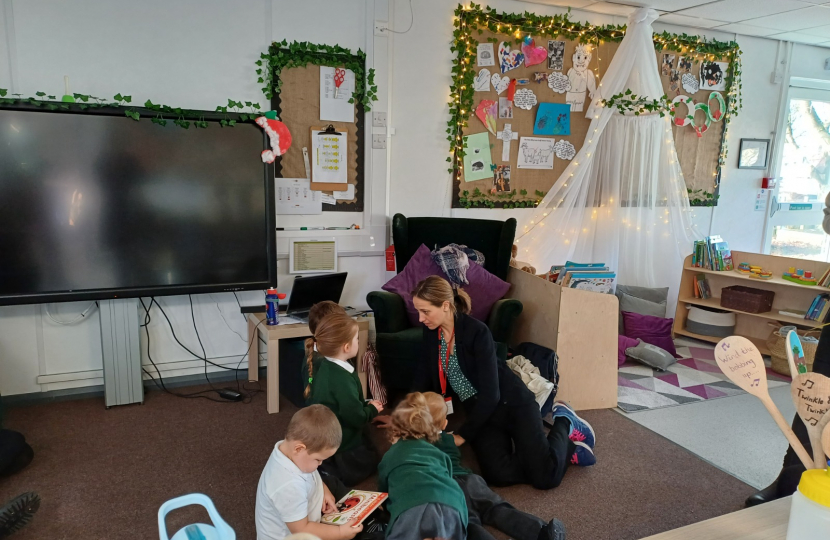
(700, 156)
(298, 107)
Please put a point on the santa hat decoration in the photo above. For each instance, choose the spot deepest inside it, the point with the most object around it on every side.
(278, 134)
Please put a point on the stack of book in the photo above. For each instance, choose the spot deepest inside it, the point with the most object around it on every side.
(819, 308)
(825, 279)
(712, 253)
(590, 277)
(701, 287)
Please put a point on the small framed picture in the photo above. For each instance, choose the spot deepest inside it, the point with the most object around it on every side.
(754, 154)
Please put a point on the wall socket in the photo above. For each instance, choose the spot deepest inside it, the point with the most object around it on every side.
(379, 141)
(378, 119)
(381, 28)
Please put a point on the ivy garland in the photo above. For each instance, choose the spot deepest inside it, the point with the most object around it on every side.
(473, 18)
(163, 113)
(628, 102)
(282, 55)
(479, 198)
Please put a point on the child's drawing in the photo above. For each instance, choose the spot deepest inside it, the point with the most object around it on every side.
(581, 78)
(535, 153)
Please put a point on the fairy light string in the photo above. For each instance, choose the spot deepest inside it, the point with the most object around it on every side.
(472, 20)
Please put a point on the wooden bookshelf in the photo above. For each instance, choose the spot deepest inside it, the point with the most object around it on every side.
(754, 326)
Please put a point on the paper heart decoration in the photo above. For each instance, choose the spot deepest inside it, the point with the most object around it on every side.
(533, 54)
(487, 111)
(509, 59)
(500, 83)
(482, 81)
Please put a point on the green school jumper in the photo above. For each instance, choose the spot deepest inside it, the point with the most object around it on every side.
(341, 392)
(447, 445)
(414, 472)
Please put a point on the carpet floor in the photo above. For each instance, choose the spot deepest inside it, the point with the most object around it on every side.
(103, 474)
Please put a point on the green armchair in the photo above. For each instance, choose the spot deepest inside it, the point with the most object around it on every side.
(398, 343)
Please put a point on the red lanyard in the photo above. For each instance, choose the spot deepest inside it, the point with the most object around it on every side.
(442, 376)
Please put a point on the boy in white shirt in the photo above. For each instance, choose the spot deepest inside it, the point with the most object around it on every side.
(291, 497)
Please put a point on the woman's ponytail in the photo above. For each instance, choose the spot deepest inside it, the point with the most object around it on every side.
(462, 301)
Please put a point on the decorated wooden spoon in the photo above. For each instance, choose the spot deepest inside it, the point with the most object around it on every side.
(811, 395)
(741, 361)
(825, 441)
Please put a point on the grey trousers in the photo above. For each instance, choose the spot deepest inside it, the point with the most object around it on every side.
(486, 507)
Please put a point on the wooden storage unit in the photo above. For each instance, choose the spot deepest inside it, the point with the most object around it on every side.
(754, 326)
(581, 326)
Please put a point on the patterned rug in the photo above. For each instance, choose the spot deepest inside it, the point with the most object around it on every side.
(695, 377)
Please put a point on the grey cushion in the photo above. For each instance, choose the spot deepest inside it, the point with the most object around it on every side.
(641, 300)
(651, 355)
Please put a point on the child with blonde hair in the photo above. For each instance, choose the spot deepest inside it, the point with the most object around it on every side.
(336, 385)
(486, 507)
(424, 500)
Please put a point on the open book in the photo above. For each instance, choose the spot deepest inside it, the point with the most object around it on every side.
(356, 505)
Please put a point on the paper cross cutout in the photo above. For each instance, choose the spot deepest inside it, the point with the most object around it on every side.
(506, 135)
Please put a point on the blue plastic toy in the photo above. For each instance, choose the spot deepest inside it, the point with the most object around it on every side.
(198, 531)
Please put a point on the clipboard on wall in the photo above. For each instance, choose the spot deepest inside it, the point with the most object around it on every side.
(328, 159)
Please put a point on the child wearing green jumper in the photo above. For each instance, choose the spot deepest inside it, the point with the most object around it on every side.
(424, 500)
(486, 507)
(336, 385)
(317, 313)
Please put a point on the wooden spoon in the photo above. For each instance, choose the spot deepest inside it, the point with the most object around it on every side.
(740, 360)
(825, 440)
(794, 350)
(811, 395)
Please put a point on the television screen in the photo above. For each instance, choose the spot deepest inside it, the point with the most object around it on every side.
(98, 205)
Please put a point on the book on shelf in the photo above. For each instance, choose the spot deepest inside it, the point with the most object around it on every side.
(601, 282)
(712, 253)
(702, 288)
(819, 308)
(355, 505)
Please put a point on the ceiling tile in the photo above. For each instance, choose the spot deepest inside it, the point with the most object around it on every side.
(820, 31)
(671, 5)
(610, 8)
(799, 37)
(794, 20)
(746, 29)
(576, 4)
(739, 10)
(683, 20)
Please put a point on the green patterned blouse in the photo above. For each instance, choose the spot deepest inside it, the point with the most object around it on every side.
(458, 381)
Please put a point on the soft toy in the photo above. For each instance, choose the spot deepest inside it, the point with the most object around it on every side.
(278, 134)
(523, 266)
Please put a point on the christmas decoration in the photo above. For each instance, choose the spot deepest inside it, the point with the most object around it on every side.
(278, 135)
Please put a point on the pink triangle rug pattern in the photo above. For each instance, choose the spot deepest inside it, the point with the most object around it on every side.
(695, 377)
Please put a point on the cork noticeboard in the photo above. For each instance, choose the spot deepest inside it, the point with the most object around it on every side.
(698, 155)
(298, 107)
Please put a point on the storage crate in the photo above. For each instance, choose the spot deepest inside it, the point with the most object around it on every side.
(746, 299)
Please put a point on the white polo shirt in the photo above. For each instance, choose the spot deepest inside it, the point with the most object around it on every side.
(285, 494)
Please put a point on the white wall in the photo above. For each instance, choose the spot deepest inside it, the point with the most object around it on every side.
(194, 54)
(420, 182)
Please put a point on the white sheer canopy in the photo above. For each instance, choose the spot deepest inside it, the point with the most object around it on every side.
(622, 200)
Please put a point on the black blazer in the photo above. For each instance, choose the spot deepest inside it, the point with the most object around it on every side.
(476, 352)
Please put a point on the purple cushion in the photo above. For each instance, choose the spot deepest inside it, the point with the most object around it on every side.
(653, 330)
(484, 288)
(419, 267)
(623, 343)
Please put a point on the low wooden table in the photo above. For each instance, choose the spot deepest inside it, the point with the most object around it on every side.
(763, 522)
(273, 335)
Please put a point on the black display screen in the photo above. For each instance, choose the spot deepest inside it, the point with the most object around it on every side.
(101, 206)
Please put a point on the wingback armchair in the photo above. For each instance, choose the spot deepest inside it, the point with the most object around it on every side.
(399, 343)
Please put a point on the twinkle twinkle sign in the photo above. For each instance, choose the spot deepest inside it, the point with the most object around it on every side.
(811, 395)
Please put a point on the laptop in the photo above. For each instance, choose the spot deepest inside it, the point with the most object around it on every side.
(309, 290)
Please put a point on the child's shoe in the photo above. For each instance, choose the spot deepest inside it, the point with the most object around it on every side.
(583, 455)
(581, 431)
(15, 514)
(555, 530)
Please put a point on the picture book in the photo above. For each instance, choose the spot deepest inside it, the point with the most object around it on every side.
(601, 282)
(356, 505)
(568, 273)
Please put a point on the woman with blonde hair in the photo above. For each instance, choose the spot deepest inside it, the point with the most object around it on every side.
(503, 422)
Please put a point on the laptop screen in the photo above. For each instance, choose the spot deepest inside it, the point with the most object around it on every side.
(309, 290)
